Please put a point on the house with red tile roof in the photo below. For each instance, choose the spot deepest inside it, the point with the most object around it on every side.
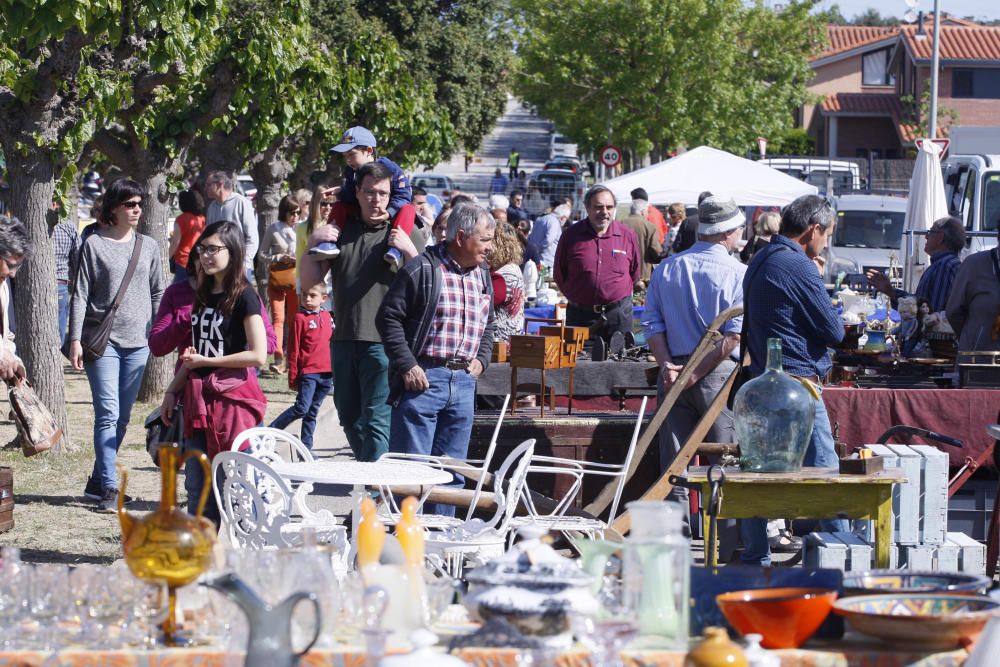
(868, 83)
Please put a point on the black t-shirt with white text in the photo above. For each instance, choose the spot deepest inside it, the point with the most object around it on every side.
(217, 335)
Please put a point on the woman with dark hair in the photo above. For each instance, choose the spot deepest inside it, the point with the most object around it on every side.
(278, 250)
(215, 382)
(115, 376)
(188, 225)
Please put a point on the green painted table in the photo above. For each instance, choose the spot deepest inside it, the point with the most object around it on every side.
(811, 493)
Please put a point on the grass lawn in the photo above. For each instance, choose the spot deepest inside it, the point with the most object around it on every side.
(53, 522)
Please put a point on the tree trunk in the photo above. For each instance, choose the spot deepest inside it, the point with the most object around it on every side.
(310, 163)
(269, 170)
(155, 223)
(32, 182)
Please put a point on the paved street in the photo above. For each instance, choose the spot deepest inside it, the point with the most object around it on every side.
(517, 128)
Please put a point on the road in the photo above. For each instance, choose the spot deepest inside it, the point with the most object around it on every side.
(518, 128)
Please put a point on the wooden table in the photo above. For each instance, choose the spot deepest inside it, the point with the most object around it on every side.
(812, 493)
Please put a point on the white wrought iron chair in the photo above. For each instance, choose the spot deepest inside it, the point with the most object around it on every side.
(476, 541)
(389, 511)
(264, 444)
(576, 472)
(255, 504)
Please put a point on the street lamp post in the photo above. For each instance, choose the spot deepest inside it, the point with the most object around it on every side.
(935, 62)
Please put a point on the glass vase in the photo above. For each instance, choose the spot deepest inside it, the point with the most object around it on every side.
(774, 416)
(656, 573)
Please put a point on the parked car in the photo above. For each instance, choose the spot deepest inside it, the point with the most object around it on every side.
(435, 184)
(246, 186)
(560, 145)
(560, 183)
(570, 162)
(869, 229)
(845, 175)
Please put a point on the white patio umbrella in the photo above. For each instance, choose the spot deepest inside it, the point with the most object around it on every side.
(925, 205)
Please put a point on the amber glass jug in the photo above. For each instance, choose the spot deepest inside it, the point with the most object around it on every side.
(169, 544)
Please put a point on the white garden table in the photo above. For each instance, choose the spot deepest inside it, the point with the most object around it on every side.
(359, 474)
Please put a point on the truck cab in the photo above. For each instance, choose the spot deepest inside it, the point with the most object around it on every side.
(869, 232)
(972, 191)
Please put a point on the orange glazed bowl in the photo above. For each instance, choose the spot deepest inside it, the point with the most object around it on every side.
(784, 617)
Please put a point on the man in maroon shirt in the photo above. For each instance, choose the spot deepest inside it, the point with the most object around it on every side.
(596, 265)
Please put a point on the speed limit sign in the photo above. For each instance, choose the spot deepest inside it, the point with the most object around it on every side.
(610, 156)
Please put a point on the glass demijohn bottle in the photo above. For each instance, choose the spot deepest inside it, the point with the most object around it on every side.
(774, 416)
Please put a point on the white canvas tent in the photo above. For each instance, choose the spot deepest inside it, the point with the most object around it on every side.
(683, 178)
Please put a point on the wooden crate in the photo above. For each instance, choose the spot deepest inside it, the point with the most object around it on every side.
(501, 352)
(535, 351)
(6, 498)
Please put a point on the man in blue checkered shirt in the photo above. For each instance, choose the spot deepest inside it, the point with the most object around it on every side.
(785, 298)
(945, 240)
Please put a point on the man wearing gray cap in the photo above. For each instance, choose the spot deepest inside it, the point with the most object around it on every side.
(686, 292)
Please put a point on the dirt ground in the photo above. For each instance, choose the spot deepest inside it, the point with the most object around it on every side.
(53, 522)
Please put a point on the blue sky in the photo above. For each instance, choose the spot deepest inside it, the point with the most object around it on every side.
(982, 9)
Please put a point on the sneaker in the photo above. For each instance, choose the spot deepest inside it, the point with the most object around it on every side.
(393, 257)
(326, 249)
(109, 501)
(93, 490)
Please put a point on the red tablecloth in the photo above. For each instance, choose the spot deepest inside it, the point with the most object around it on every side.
(865, 414)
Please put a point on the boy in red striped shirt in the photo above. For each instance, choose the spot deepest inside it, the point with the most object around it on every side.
(308, 359)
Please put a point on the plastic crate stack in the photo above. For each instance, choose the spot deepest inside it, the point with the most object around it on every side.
(920, 537)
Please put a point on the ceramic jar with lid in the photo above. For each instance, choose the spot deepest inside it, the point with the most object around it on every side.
(533, 588)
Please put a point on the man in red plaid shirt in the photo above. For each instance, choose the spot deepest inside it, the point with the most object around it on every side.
(436, 323)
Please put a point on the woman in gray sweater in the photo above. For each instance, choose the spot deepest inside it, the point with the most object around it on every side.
(115, 376)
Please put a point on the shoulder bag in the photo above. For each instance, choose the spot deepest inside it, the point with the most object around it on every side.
(97, 327)
(36, 427)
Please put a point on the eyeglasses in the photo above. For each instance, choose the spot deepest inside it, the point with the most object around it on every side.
(131, 204)
(375, 194)
(325, 204)
(11, 265)
(295, 211)
(210, 250)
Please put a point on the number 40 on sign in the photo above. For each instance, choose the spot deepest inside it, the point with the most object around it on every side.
(610, 156)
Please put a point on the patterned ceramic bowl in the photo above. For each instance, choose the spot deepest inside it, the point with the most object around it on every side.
(912, 581)
(918, 620)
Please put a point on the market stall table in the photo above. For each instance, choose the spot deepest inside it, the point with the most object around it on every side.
(865, 414)
(841, 654)
(812, 493)
(358, 475)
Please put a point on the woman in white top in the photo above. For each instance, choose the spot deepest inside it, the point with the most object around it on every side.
(278, 251)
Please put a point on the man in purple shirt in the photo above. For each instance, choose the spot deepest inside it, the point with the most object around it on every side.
(596, 265)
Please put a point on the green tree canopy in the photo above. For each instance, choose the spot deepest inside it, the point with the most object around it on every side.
(462, 48)
(679, 73)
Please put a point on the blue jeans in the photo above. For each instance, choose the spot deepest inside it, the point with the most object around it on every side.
(114, 383)
(436, 421)
(194, 478)
(362, 372)
(313, 388)
(820, 454)
(62, 291)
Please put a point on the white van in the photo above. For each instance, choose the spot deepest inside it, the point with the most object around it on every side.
(843, 175)
(972, 191)
(869, 230)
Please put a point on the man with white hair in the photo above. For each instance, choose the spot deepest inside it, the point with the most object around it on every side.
(227, 204)
(436, 322)
(648, 236)
(544, 236)
(686, 292)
